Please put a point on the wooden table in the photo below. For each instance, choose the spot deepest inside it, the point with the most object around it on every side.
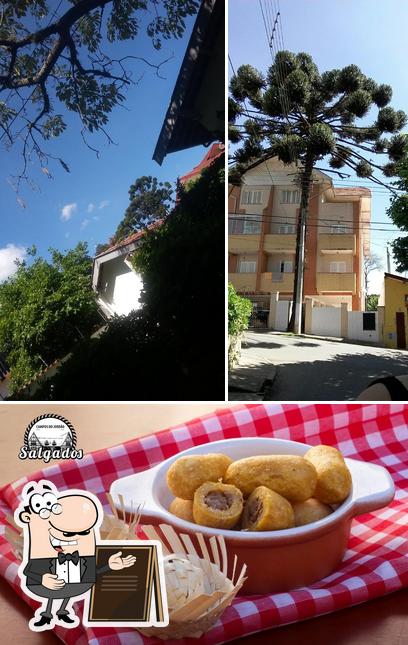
(375, 623)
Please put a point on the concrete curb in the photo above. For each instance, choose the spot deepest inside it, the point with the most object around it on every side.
(332, 339)
(251, 378)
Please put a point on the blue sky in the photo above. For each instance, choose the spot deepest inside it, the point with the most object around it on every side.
(372, 35)
(89, 202)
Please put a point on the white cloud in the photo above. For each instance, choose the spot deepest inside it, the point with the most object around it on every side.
(91, 207)
(8, 256)
(84, 223)
(103, 204)
(68, 210)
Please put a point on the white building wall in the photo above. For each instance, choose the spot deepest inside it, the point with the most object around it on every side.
(335, 213)
(355, 327)
(126, 294)
(326, 321)
(119, 287)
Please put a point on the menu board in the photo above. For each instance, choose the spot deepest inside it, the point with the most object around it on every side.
(129, 596)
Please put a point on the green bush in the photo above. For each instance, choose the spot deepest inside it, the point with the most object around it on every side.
(239, 312)
(372, 302)
(47, 306)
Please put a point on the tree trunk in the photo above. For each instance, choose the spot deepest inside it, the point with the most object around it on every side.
(306, 177)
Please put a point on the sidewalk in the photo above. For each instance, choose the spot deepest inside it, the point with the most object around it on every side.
(276, 366)
(254, 372)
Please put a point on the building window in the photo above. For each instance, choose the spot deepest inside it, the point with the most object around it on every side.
(239, 225)
(251, 197)
(369, 321)
(290, 196)
(338, 229)
(252, 226)
(286, 229)
(247, 266)
(337, 267)
(286, 266)
(234, 225)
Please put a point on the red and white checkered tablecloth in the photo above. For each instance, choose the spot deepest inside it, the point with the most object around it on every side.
(375, 563)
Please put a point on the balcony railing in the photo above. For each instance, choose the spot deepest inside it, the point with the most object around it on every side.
(243, 243)
(276, 282)
(336, 282)
(345, 243)
(279, 243)
(243, 282)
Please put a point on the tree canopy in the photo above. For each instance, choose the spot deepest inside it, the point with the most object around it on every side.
(398, 212)
(302, 116)
(46, 306)
(150, 201)
(56, 59)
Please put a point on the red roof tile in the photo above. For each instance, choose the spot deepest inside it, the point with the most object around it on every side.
(216, 150)
(129, 240)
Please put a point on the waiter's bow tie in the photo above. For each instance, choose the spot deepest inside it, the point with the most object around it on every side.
(63, 557)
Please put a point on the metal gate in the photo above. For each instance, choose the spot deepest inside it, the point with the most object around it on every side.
(260, 311)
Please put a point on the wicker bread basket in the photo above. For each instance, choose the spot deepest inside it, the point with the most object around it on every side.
(198, 589)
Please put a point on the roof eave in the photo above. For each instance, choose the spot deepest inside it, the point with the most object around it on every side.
(191, 59)
(111, 255)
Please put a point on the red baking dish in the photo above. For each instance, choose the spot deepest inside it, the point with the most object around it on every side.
(277, 560)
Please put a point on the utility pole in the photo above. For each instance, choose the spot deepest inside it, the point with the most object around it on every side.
(388, 259)
(300, 265)
(295, 322)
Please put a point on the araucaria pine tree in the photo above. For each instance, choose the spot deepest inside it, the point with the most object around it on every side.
(301, 116)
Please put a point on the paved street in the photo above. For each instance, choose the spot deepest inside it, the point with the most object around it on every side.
(299, 368)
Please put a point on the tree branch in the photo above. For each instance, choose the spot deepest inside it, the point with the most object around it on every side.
(79, 10)
(57, 62)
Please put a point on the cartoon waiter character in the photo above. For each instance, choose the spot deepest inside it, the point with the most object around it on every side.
(59, 564)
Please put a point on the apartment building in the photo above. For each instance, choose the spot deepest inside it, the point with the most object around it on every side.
(263, 214)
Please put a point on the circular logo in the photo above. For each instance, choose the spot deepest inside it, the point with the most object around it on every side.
(50, 431)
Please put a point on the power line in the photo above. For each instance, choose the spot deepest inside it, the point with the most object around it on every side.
(269, 36)
(232, 66)
(312, 219)
(363, 228)
(387, 188)
(370, 185)
(376, 191)
(270, 24)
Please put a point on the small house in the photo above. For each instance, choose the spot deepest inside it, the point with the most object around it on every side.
(394, 299)
(115, 280)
